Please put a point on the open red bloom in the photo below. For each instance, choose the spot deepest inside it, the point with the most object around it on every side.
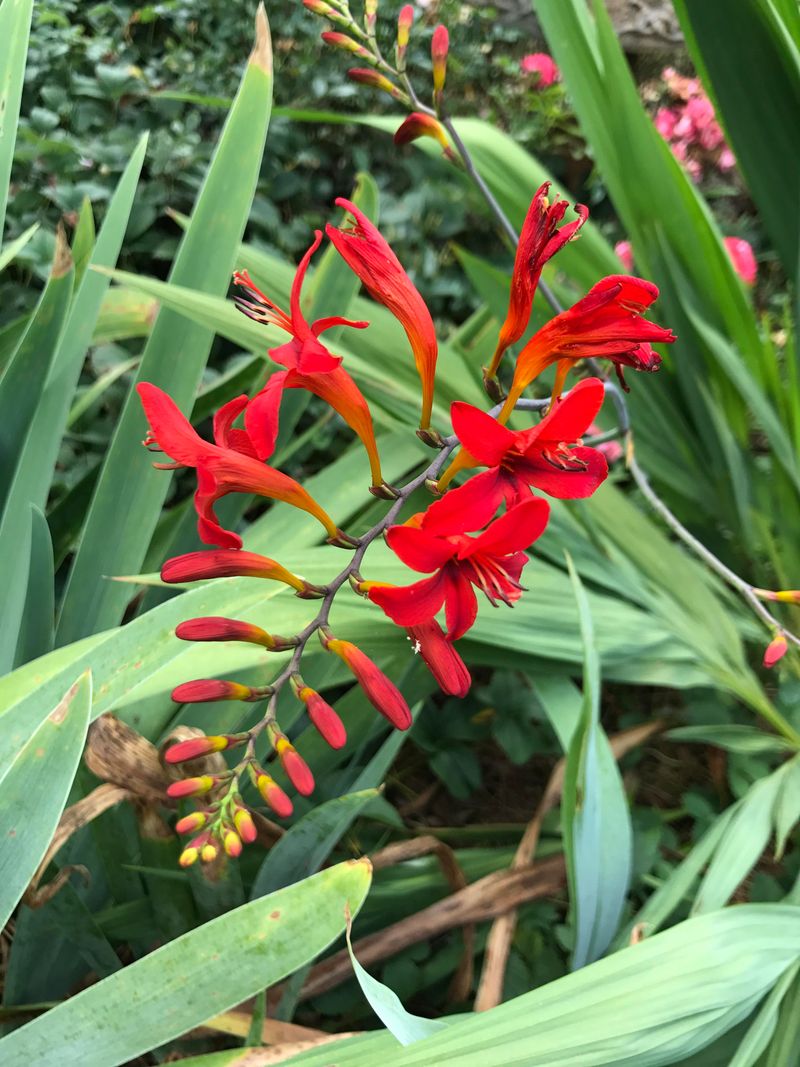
(228, 466)
(366, 253)
(437, 541)
(544, 457)
(540, 239)
(309, 365)
(608, 322)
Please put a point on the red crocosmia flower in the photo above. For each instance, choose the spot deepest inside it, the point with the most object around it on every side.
(228, 466)
(543, 65)
(441, 659)
(327, 722)
(195, 747)
(419, 125)
(540, 239)
(203, 690)
(742, 258)
(309, 365)
(608, 322)
(775, 650)
(366, 253)
(233, 563)
(381, 692)
(542, 457)
(492, 562)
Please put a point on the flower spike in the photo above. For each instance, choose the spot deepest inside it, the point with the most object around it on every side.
(382, 693)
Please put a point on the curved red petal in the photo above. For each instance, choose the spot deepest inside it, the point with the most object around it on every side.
(460, 606)
(261, 417)
(569, 418)
(170, 427)
(467, 508)
(225, 418)
(419, 549)
(441, 659)
(568, 484)
(482, 436)
(515, 530)
(411, 605)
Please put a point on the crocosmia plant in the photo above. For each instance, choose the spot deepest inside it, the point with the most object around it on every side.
(472, 542)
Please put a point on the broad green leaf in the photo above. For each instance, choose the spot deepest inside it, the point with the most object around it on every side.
(732, 737)
(94, 392)
(598, 838)
(650, 1005)
(763, 1026)
(15, 24)
(84, 240)
(118, 526)
(34, 787)
(759, 112)
(407, 1028)
(307, 844)
(197, 976)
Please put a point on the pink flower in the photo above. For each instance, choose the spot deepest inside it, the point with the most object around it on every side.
(612, 450)
(727, 160)
(543, 65)
(665, 122)
(742, 258)
(701, 112)
(624, 250)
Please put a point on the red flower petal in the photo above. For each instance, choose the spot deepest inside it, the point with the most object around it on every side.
(461, 606)
(467, 508)
(512, 532)
(419, 549)
(411, 605)
(442, 660)
(567, 484)
(263, 412)
(482, 436)
(570, 417)
(170, 427)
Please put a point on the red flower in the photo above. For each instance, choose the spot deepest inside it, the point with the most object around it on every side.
(437, 541)
(203, 690)
(419, 125)
(541, 457)
(370, 257)
(233, 563)
(540, 239)
(324, 718)
(441, 659)
(775, 650)
(379, 690)
(309, 365)
(607, 322)
(543, 65)
(440, 45)
(742, 258)
(227, 466)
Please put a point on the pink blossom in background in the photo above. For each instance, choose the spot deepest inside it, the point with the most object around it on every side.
(727, 160)
(612, 450)
(690, 127)
(665, 122)
(743, 259)
(543, 65)
(624, 251)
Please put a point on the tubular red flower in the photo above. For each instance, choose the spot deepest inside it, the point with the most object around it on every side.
(418, 125)
(230, 563)
(204, 690)
(382, 693)
(492, 562)
(324, 718)
(309, 365)
(232, 843)
(405, 20)
(347, 44)
(547, 457)
(608, 322)
(229, 466)
(540, 239)
(245, 827)
(295, 767)
(219, 628)
(196, 820)
(367, 253)
(192, 787)
(274, 796)
(366, 76)
(441, 659)
(543, 66)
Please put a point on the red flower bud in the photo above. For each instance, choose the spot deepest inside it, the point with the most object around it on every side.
(323, 716)
(192, 787)
(227, 563)
(245, 827)
(191, 854)
(775, 650)
(273, 795)
(441, 658)
(202, 690)
(382, 693)
(419, 125)
(297, 770)
(785, 596)
(374, 80)
(405, 20)
(201, 746)
(347, 44)
(232, 843)
(370, 14)
(320, 8)
(218, 628)
(440, 43)
(189, 823)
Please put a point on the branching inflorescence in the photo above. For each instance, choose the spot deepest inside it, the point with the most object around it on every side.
(472, 538)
